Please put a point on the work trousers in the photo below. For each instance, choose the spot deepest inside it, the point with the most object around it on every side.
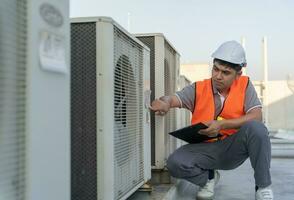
(192, 161)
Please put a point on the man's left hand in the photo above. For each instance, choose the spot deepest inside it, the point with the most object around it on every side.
(213, 128)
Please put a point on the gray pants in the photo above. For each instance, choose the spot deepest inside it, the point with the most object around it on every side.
(192, 161)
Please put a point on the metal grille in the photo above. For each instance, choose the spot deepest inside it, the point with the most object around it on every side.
(83, 112)
(12, 98)
(149, 41)
(170, 88)
(128, 114)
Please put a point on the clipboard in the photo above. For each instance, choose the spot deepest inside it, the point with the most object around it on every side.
(190, 134)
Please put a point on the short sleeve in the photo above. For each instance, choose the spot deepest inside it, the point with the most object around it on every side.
(187, 97)
(251, 99)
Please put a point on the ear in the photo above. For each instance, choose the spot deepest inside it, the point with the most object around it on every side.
(239, 73)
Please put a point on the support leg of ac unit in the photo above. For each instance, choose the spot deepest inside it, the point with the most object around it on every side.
(161, 176)
(147, 187)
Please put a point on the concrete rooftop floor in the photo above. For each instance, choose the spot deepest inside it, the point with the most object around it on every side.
(237, 184)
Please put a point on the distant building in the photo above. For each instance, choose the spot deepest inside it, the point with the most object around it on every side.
(196, 71)
(280, 103)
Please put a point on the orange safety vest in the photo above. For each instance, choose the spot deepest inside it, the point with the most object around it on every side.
(233, 106)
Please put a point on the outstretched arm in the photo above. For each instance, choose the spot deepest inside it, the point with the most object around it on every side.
(162, 105)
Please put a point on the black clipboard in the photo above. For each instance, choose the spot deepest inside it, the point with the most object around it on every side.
(190, 133)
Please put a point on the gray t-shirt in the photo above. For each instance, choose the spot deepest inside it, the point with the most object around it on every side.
(187, 98)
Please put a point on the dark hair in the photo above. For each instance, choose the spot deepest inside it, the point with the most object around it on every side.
(236, 67)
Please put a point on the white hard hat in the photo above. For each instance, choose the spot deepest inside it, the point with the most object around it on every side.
(231, 52)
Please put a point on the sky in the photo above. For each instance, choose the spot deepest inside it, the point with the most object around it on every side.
(197, 27)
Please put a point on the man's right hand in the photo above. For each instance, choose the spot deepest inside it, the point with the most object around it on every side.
(160, 107)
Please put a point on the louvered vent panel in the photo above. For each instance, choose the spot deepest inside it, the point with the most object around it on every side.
(149, 41)
(128, 127)
(170, 88)
(83, 112)
(12, 98)
(170, 79)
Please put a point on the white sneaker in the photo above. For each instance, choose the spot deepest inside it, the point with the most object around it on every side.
(207, 191)
(264, 194)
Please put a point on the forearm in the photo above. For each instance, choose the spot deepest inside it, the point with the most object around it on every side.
(162, 105)
(172, 101)
(254, 114)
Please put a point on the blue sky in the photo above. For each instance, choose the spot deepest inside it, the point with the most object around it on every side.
(196, 28)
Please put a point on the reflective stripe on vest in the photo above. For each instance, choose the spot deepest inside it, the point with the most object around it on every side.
(233, 106)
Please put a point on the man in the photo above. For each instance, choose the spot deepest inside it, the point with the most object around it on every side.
(228, 104)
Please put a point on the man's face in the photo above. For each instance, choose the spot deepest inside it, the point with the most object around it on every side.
(223, 76)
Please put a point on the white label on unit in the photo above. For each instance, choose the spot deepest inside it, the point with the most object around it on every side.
(52, 52)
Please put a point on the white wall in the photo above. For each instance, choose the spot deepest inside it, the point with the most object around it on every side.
(280, 104)
(196, 72)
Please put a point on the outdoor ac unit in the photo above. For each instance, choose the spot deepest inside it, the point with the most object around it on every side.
(110, 115)
(34, 100)
(164, 73)
(183, 115)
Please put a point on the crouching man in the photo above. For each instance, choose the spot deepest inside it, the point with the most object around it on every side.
(227, 103)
